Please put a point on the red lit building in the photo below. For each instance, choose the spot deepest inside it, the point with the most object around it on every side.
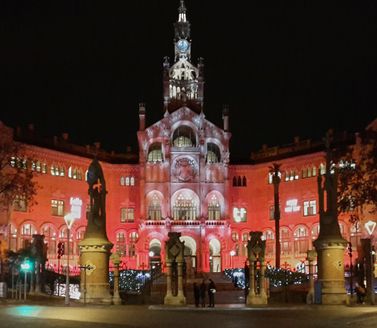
(181, 180)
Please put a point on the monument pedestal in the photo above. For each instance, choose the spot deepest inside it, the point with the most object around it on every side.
(260, 299)
(94, 257)
(331, 276)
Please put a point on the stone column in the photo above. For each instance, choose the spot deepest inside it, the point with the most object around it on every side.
(312, 255)
(180, 280)
(252, 278)
(262, 287)
(168, 280)
(116, 261)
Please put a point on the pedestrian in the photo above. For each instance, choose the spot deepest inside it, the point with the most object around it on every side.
(211, 293)
(196, 294)
(203, 289)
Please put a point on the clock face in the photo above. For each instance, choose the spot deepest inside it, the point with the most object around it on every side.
(182, 45)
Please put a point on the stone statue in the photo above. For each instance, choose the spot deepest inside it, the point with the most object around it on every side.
(97, 192)
(327, 185)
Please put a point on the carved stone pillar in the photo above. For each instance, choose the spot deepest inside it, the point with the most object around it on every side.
(180, 279)
(312, 255)
(168, 280)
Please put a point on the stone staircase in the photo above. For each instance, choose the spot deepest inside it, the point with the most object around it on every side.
(226, 292)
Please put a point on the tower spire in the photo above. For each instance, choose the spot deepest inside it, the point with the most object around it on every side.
(183, 81)
(182, 12)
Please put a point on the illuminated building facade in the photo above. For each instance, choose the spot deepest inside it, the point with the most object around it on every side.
(181, 181)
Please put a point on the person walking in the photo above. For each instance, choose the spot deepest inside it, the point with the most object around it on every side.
(211, 293)
(202, 292)
(196, 294)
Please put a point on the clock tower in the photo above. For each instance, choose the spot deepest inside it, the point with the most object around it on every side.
(183, 82)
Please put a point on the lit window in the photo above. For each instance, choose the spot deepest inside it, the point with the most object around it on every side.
(44, 168)
(214, 209)
(239, 214)
(155, 153)
(234, 235)
(310, 207)
(127, 181)
(292, 206)
(322, 169)
(154, 208)
(127, 215)
(132, 181)
(20, 204)
(213, 153)
(122, 181)
(57, 207)
(185, 208)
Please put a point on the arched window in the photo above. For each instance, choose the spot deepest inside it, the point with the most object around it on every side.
(132, 181)
(301, 240)
(185, 207)
(234, 235)
(183, 137)
(120, 245)
(50, 239)
(213, 153)
(322, 169)
(244, 181)
(270, 243)
(122, 181)
(234, 182)
(239, 182)
(133, 237)
(285, 241)
(154, 208)
(214, 209)
(127, 181)
(155, 153)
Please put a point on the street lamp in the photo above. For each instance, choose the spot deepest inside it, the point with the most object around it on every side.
(69, 220)
(349, 249)
(26, 267)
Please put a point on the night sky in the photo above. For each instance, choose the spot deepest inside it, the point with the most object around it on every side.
(285, 68)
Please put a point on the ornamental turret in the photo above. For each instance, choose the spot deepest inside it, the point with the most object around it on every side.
(182, 82)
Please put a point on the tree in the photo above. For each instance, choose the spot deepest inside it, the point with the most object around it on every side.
(16, 175)
(357, 185)
(276, 178)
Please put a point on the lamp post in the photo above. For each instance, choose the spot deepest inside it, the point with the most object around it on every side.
(349, 248)
(26, 267)
(69, 220)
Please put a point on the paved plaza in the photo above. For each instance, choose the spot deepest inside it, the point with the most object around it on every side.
(224, 315)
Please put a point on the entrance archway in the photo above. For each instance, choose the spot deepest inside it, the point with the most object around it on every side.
(214, 255)
(190, 254)
(154, 254)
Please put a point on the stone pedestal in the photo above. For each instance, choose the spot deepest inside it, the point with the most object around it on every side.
(331, 274)
(94, 254)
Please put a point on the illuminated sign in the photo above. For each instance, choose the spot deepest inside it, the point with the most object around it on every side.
(239, 214)
(291, 206)
(76, 204)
